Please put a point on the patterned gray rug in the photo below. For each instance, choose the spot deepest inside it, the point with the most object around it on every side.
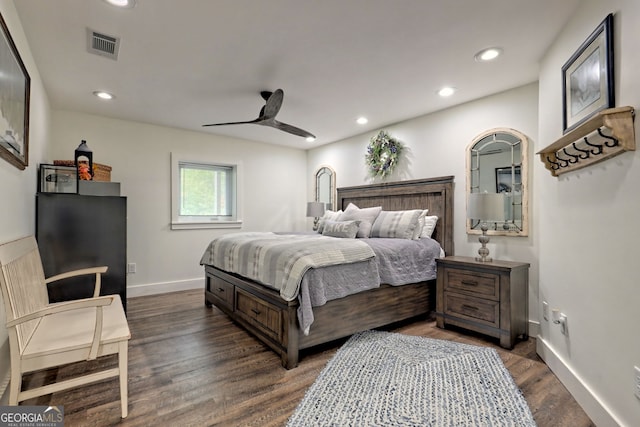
(388, 379)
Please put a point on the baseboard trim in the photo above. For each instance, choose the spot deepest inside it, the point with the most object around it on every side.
(534, 328)
(164, 287)
(599, 413)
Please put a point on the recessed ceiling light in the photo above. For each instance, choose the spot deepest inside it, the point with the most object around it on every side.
(103, 95)
(488, 54)
(310, 139)
(447, 91)
(122, 3)
(362, 120)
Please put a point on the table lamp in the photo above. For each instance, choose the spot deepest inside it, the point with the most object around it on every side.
(485, 207)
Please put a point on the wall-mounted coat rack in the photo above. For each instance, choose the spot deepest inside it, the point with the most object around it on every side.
(606, 134)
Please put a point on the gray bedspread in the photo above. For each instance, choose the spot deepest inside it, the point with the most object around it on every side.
(397, 262)
(402, 261)
(280, 261)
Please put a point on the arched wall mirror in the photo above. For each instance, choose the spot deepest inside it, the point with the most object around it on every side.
(326, 187)
(497, 163)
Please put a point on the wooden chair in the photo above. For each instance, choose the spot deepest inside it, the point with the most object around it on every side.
(44, 335)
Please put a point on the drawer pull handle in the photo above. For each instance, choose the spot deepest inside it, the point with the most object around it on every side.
(467, 283)
(470, 307)
(220, 289)
(254, 311)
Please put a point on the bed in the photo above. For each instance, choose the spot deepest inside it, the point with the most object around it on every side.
(274, 321)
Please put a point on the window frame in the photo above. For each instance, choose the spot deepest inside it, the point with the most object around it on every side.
(184, 222)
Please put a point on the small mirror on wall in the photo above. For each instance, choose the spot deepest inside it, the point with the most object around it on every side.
(497, 163)
(326, 187)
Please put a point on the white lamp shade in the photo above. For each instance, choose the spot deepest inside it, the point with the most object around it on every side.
(486, 206)
(315, 209)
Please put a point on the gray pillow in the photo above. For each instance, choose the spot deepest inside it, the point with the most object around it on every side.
(396, 224)
(344, 229)
(366, 216)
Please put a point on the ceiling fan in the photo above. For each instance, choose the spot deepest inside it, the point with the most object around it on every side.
(267, 116)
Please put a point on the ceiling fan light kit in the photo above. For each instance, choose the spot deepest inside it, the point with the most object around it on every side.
(267, 116)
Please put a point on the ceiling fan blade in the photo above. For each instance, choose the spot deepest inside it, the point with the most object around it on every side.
(291, 129)
(268, 114)
(273, 105)
(233, 123)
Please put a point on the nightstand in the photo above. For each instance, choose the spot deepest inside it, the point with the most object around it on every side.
(487, 297)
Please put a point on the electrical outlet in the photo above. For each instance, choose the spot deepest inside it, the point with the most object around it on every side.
(636, 375)
(131, 267)
(545, 310)
(563, 324)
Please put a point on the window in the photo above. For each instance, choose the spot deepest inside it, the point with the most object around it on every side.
(204, 195)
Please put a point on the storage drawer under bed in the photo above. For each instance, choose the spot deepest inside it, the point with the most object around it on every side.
(222, 291)
(259, 313)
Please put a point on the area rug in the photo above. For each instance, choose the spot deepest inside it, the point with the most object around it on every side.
(388, 379)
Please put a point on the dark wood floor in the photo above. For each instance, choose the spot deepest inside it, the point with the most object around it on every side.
(191, 366)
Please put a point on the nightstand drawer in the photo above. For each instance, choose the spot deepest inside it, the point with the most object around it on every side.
(473, 283)
(475, 309)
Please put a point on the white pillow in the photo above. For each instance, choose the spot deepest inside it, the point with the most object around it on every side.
(418, 231)
(396, 224)
(366, 216)
(429, 225)
(328, 216)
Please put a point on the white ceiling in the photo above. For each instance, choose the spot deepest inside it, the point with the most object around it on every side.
(184, 63)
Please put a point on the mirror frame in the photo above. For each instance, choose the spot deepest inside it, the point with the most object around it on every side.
(332, 184)
(524, 174)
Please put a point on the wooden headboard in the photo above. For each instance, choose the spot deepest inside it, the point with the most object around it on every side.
(435, 194)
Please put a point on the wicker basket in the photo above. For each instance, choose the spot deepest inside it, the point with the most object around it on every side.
(100, 172)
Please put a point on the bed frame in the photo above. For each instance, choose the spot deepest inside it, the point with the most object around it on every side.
(274, 321)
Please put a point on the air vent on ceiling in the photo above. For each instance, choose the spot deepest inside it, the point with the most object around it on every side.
(102, 44)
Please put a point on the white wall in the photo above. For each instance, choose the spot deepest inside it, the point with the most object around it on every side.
(588, 236)
(274, 190)
(18, 187)
(435, 146)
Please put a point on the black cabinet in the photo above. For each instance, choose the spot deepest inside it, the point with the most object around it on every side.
(76, 231)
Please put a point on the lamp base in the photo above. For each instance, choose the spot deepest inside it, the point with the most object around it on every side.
(484, 239)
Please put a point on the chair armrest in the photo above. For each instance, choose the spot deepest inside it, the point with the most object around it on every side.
(63, 306)
(93, 270)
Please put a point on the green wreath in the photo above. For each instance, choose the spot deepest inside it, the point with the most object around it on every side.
(382, 154)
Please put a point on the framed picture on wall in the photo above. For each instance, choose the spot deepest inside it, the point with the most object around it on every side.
(58, 179)
(587, 77)
(14, 102)
(504, 184)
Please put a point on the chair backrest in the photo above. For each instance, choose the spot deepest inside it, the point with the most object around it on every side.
(22, 283)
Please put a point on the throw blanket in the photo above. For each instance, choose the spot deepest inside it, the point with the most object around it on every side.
(279, 260)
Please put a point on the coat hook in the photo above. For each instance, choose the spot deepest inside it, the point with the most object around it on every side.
(599, 147)
(554, 165)
(584, 156)
(607, 143)
(575, 158)
(563, 162)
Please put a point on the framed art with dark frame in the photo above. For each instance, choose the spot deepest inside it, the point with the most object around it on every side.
(587, 77)
(58, 179)
(14, 103)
